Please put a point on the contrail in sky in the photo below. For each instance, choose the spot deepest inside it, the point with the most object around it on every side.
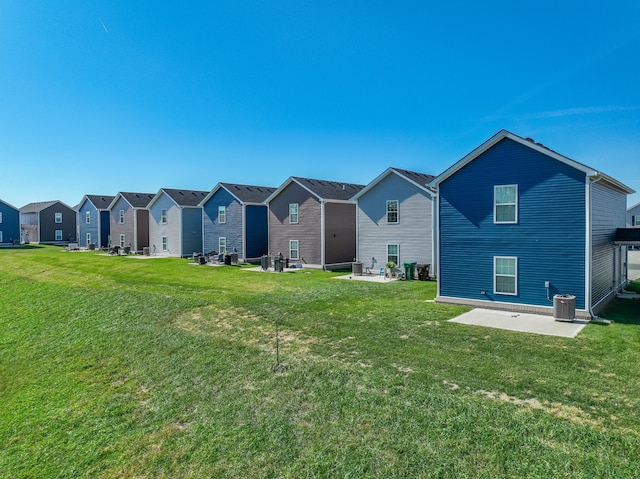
(101, 23)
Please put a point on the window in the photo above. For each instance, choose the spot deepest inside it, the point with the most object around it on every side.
(392, 211)
(121, 217)
(121, 241)
(505, 275)
(58, 217)
(505, 204)
(0, 216)
(294, 249)
(635, 220)
(164, 243)
(163, 217)
(88, 239)
(393, 253)
(58, 235)
(1, 237)
(88, 217)
(222, 245)
(222, 214)
(293, 213)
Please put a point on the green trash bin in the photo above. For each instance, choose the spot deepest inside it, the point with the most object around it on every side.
(408, 270)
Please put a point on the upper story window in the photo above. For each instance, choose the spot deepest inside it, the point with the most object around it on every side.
(635, 220)
(222, 214)
(505, 204)
(293, 212)
(392, 211)
(58, 217)
(163, 217)
(88, 217)
(0, 216)
(121, 216)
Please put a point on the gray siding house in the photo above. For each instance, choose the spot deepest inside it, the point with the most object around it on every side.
(175, 222)
(48, 222)
(235, 219)
(129, 218)
(633, 216)
(9, 224)
(313, 222)
(395, 219)
(94, 225)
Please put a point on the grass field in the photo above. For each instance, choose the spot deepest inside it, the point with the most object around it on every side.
(115, 367)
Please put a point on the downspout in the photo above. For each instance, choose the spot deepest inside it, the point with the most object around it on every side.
(322, 235)
(591, 180)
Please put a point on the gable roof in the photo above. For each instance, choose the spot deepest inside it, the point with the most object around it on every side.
(100, 202)
(136, 200)
(9, 205)
(322, 189)
(182, 198)
(528, 142)
(421, 180)
(634, 206)
(246, 194)
(38, 206)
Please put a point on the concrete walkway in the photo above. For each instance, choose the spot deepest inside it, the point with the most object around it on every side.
(523, 322)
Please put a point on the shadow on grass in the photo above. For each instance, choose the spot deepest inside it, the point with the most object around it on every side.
(22, 247)
(623, 311)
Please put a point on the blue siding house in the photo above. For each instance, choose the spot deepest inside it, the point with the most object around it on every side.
(9, 224)
(94, 224)
(235, 219)
(175, 222)
(395, 219)
(518, 223)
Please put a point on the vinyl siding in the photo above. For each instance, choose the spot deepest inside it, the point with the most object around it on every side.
(413, 232)
(48, 226)
(172, 229)
(548, 240)
(608, 210)
(231, 229)
(635, 211)
(126, 228)
(10, 225)
(191, 231)
(340, 232)
(307, 231)
(257, 232)
(91, 227)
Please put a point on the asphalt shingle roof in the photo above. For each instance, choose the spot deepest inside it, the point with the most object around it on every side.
(138, 200)
(186, 197)
(101, 202)
(37, 206)
(329, 190)
(421, 178)
(249, 193)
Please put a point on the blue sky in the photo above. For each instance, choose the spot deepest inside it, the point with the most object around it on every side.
(98, 97)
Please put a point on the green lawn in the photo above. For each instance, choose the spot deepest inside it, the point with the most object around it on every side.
(115, 367)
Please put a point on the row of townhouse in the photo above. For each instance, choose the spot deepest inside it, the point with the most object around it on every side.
(508, 226)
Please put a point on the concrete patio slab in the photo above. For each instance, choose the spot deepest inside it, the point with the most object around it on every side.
(522, 322)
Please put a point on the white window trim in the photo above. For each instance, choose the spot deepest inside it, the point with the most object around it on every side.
(87, 217)
(88, 239)
(495, 205)
(163, 216)
(121, 217)
(57, 216)
(397, 202)
(165, 243)
(1, 238)
(122, 241)
(0, 216)
(222, 214)
(220, 248)
(635, 220)
(58, 235)
(397, 254)
(297, 256)
(297, 213)
(515, 276)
